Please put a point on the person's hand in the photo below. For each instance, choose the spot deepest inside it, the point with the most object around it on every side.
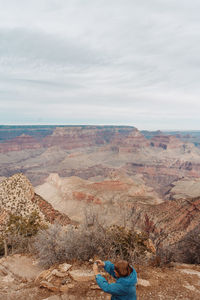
(95, 269)
(100, 263)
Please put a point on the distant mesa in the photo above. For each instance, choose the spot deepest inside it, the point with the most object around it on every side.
(19, 143)
(91, 152)
(125, 138)
(88, 136)
(166, 142)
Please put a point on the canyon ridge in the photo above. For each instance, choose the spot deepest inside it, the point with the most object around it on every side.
(151, 178)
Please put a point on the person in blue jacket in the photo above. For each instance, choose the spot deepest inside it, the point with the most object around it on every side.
(126, 279)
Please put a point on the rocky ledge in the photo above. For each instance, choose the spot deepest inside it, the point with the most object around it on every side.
(22, 278)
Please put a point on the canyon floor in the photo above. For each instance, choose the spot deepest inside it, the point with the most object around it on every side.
(21, 278)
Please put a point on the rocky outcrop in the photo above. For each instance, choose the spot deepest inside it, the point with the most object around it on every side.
(185, 188)
(51, 215)
(169, 222)
(72, 195)
(17, 196)
(160, 175)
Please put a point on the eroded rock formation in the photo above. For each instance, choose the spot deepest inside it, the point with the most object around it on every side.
(91, 152)
(169, 223)
(72, 195)
(17, 196)
(19, 143)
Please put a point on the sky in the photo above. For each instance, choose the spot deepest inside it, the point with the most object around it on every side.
(114, 62)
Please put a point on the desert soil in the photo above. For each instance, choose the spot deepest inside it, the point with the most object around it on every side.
(18, 273)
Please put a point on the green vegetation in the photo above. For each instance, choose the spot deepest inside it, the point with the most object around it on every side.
(19, 231)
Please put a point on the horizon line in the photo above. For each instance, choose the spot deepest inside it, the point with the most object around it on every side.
(106, 125)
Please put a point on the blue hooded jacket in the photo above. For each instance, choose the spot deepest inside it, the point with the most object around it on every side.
(123, 288)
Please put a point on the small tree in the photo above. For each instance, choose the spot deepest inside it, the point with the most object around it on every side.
(19, 230)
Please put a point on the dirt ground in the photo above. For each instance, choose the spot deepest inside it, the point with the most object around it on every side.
(170, 283)
(164, 283)
(17, 282)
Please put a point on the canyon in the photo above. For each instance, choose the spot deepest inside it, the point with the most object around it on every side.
(127, 177)
(92, 152)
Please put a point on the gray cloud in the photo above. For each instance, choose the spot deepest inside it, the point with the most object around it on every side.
(115, 62)
(39, 46)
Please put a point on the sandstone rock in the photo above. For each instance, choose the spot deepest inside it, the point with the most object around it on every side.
(71, 285)
(54, 297)
(3, 270)
(44, 275)
(49, 286)
(58, 274)
(64, 288)
(190, 272)
(8, 278)
(64, 267)
(82, 275)
(21, 266)
(143, 282)
(51, 274)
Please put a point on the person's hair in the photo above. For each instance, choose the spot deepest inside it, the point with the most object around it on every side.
(123, 268)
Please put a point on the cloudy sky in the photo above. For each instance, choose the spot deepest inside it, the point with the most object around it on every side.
(123, 62)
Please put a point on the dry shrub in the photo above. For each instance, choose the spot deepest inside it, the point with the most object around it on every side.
(58, 244)
(185, 251)
(50, 245)
(127, 244)
(189, 247)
